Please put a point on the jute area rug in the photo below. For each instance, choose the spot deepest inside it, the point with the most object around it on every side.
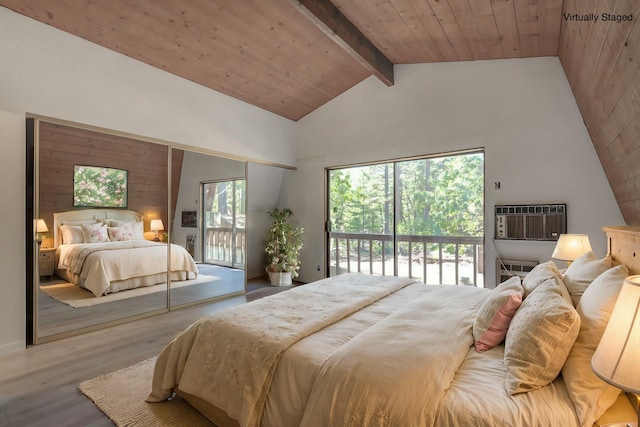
(76, 296)
(121, 396)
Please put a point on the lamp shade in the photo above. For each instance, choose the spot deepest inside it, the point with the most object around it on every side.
(618, 354)
(156, 225)
(41, 226)
(571, 246)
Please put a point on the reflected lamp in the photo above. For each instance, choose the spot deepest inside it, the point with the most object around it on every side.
(41, 229)
(156, 225)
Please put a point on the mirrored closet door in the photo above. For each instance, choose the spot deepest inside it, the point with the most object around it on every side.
(96, 190)
(125, 227)
(209, 221)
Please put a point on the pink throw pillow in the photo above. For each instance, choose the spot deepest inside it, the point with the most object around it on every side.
(495, 313)
(497, 329)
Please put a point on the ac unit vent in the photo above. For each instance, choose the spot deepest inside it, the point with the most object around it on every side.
(530, 222)
(512, 267)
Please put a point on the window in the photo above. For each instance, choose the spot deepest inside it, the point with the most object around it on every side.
(420, 218)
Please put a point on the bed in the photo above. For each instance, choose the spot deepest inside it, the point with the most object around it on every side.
(359, 350)
(105, 251)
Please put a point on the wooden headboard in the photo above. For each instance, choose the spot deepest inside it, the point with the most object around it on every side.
(89, 214)
(624, 246)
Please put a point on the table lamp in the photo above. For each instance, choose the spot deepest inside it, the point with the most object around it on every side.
(156, 225)
(571, 246)
(41, 228)
(617, 358)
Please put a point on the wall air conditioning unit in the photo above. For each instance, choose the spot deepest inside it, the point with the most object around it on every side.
(530, 222)
(506, 268)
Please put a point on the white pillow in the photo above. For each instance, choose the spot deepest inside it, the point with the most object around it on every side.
(116, 222)
(582, 272)
(95, 233)
(71, 234)
(539, 338)
(540, 274)
(138, 230)
(136, 226)
(590, 395)
(118, 234)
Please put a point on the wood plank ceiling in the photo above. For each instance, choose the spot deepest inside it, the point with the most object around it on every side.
(290, 57)
(602, 62)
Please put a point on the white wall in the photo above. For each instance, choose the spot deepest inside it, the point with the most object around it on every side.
(521, 111)
(48, 72)
(12, 226)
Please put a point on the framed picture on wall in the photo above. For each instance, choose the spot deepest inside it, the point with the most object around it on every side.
(96, 186)
(189, 219)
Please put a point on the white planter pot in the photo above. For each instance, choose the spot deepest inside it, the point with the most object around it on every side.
(280, 279)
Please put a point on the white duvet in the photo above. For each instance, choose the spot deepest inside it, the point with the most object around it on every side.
(406, 359)
(99, 264)
(417, 367)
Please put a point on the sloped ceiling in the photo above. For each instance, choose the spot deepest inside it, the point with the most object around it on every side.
(602, 62)
(290, 57)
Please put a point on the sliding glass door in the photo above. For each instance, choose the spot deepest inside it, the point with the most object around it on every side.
(224, 223)
(361, 220)
(420, 218)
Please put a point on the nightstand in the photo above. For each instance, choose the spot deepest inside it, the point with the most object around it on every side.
(46, 261)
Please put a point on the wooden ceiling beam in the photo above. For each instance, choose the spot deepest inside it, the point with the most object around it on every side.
(328, 19)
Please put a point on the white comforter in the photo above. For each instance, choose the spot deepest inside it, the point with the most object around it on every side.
(403, 360)
(229, 359)
(417, 367)
(99, 264)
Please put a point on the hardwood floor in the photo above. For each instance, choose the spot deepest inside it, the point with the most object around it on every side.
(38, 386)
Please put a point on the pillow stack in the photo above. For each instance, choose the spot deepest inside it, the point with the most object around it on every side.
(537, 322)
(540, 337)
(552, 324)
(95, 231)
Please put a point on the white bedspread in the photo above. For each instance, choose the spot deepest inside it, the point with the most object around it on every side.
(406, 359)
(418, 367)
(229, 359)
(376, 379)
(98, 264)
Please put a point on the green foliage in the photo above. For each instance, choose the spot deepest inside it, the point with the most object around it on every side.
(361, 199)
(284, 243)
(442, 196)
(94, 186)
(437, 197)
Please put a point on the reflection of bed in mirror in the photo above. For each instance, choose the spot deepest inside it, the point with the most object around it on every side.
(104, 251)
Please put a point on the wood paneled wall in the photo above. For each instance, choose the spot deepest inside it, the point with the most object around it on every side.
(62, 147)
(601, 59)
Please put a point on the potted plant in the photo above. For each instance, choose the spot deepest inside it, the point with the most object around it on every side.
(283, 248)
